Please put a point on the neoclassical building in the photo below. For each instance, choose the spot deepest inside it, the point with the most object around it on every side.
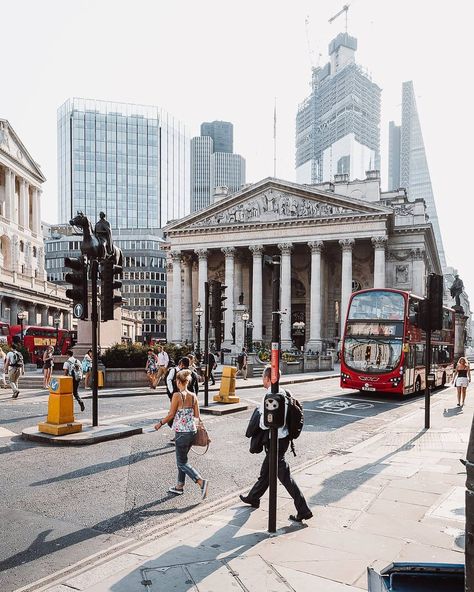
(23, 285)
(333, 238)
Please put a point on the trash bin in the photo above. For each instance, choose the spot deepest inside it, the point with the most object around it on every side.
(418, 577)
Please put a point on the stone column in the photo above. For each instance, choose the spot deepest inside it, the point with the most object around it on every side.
(24, 206)
(66, 319)
(459, 334)
(285, 294)
(187, 299)
(379, 243)
(229, 253)
(40, 263)
(14, 311)
(314, 342)
(8, 194)
(28, 259)
(36, 211)
(176, 297)
(257, 292)
(32, 314)
(418, 272)
(346, 280)
(44, 316)
(238, 283)
(202, 272)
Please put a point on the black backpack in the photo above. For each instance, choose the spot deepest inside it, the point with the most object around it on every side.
(18, 361)
(173, 380)
(294, 419)
(240, 359)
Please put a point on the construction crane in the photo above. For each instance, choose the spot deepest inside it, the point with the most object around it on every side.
(345, 9)
(314, 62)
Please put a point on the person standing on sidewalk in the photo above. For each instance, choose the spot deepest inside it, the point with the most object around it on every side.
(48, 364)
(163, 363)
(73, 368)
(242, 360)
(184, 411)
(3, 359)
(87, 368)
(461, 379)
(211, 366)
(253, 498)
(15, 367)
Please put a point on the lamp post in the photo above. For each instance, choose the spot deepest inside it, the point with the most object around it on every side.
(21, 316)
(199, 311)
(250, 337)
(56, 322)
(245, 318)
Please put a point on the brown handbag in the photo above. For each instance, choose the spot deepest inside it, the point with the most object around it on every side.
(202, 437)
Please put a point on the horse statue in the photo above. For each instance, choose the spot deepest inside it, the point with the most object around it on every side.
(97, 243)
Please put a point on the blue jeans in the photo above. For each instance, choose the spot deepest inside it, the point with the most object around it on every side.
(184, 441)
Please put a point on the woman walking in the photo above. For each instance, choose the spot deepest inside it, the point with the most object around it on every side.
(184, 410)
(462, 377)
(48, 365)
(87, 368)
(3, 357)
(151, 368)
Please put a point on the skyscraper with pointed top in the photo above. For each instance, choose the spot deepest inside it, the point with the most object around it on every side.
(408, 166)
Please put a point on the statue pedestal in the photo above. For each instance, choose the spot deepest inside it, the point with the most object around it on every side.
(459, 333)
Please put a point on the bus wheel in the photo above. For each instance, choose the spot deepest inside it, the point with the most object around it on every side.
(418, 385)
(443, 380)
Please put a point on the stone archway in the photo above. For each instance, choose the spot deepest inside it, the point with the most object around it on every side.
(5, 252)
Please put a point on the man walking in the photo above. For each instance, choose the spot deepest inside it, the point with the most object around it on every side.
(253, 498)
(211, 366)
(72, 367)
(171, 387)
(242, 360)
(14, 365)
(163, 363)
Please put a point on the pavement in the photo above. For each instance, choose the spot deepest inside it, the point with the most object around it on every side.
(397, 496)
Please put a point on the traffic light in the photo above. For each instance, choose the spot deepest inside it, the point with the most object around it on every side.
(217, 310)
(420, 317)
(78, 293)
(435, 298)
(108, 298)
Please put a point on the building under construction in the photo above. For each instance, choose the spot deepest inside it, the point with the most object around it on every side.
(338, 125)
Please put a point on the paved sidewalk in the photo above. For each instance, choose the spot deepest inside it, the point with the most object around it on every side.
(398, 496)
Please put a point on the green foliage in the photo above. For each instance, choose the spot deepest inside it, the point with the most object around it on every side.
(134, 355)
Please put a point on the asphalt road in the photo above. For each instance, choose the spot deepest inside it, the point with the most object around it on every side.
(60, 505)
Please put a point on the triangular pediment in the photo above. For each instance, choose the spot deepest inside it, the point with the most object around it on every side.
(271, 201)
(14, 149)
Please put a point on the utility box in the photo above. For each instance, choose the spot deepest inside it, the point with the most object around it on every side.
(417, 577)
(60, 420)
(227, 389)
(274, 410)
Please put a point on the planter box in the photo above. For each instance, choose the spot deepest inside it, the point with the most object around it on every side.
(125, 377)
(291, 367)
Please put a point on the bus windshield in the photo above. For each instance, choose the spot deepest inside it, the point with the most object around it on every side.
(372, 355)
(377, 305)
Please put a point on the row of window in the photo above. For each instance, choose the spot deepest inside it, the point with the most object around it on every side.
(143, 289)
(158, 302)
(144, 275)
(144, 261)
(147, 328)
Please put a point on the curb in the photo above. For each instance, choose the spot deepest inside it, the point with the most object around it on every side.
(33, 435)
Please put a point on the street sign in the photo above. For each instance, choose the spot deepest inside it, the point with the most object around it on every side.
(54, 384)
(78, 310)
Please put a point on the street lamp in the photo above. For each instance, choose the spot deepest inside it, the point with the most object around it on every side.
(250, 336)
(245, 318)
(199, 311)
(21, 316)
(56, 322)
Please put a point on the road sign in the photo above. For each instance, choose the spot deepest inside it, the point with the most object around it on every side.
(78, 310)
(54, 384)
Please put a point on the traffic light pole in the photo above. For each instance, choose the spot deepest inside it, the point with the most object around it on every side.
(206, 344)
(94, 266)
(275, 379)
(427, 384)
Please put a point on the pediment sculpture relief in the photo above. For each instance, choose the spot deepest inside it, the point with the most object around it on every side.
(273, 206)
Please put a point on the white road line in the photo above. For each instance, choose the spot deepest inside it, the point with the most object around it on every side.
(4, 433)
(338, 413)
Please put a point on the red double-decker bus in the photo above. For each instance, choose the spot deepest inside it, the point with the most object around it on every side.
(37, 339)
(384, 351)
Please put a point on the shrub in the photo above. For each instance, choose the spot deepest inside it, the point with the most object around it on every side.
(134, 355)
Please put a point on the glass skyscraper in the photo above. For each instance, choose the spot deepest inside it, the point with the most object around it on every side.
(222, 134)
(130, 161)
(407, 154)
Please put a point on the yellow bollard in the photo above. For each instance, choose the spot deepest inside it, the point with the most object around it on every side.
(227, 390)
(60, 418)
(100, 379)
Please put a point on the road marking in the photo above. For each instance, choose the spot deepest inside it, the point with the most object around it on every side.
(337, 413)
(4, 433)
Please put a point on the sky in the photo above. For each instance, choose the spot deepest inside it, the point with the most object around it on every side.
(216, 59)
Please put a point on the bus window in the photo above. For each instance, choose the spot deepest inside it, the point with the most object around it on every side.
(420, 354)
(377, 304)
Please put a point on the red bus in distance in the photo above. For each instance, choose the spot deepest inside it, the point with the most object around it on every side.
(37, 339)
(383, 350)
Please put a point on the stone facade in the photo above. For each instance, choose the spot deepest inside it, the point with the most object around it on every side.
(332, 238)
(23, 285)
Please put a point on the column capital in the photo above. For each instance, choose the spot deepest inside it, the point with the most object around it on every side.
(256, 250)
(228, 251)
(347, 244)
(202, 253)
(175, 256)
(379, 242)
(316, 246)
(285, 248)
(186, 259)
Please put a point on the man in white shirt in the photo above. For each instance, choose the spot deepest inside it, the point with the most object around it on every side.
(14, 365)
(72, 367)
(163, 363)
(253, 498)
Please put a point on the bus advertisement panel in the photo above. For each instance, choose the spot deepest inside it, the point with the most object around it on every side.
(383, 350)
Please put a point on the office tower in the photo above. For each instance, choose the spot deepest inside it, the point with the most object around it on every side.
(413, 174)
(130, 161)
(213, 164)
(338, 125)
(393, 156)
(222, 134)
